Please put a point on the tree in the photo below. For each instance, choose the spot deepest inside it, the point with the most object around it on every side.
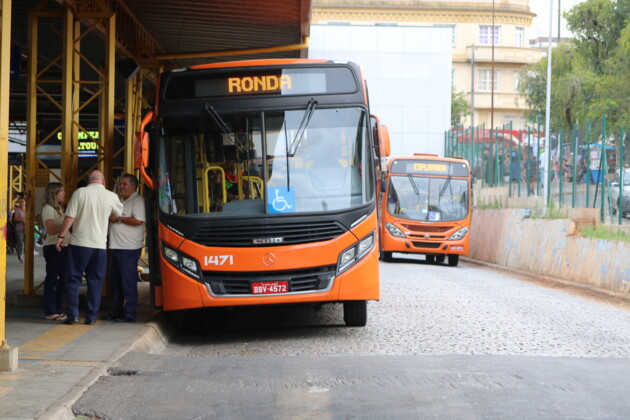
(597, 25)
(459, 107)
(590, 75)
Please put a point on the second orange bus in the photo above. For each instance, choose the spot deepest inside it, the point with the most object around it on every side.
(425, 208)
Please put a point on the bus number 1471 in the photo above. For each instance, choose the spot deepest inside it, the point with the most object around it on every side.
(218, 260)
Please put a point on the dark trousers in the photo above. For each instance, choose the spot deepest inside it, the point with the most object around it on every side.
(123, 282)
(19, 245)
(55, 280)
(92, 262)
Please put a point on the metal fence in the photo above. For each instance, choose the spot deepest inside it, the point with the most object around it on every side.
(588, 165)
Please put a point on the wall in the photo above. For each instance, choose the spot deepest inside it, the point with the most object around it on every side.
(549, 247)
(408, 72)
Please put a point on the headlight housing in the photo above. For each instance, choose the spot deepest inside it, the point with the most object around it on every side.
(459, 234)
(394, 231)
(182, 262)
(357, 251)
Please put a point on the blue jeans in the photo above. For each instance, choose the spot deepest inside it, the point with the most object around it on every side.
(123, 282)
(55, 281)
(92, 262)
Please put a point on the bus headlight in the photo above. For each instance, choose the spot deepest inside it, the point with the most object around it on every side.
(170, 254)
(394, 231)
(459, 234)
(190, 265)
(182, 262)
(353, 254)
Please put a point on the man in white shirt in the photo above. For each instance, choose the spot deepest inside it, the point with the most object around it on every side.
(126, 240)
(88, 213)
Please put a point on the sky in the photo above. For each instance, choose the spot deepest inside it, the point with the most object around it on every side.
(540, 26)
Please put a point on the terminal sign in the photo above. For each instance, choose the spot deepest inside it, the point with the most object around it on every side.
(254, 84)
(429, 167)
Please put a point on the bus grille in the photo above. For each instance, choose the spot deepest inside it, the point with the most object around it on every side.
(267, 235)
(431, 245)
(303, 280)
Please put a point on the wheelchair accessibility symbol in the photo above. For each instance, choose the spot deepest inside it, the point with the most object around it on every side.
(281, 200)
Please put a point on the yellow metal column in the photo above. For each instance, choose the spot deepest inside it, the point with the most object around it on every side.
(8, 356)
(31, 135)
(109, 95)
(69, 99)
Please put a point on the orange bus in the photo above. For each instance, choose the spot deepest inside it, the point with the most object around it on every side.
(260, 184)
(425, 207)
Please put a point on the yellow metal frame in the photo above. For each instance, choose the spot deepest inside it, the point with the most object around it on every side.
(76, 26)
(5, 59)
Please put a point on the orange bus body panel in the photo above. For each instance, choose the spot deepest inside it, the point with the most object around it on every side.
(357, 283)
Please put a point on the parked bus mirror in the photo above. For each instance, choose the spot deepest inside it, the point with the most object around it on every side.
(141, 150)
(383, 138)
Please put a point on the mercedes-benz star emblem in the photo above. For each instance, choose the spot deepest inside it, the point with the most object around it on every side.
(269, 258)
(427, 236)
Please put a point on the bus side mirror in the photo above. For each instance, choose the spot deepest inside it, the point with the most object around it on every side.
(383, 140)
(141, 151)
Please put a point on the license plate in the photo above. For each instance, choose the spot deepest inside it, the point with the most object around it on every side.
(269, 287)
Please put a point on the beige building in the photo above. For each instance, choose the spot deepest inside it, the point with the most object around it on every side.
(496, 101)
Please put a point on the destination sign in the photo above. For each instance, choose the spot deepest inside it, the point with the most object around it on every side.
(264, 81)
(428, 167)
(269, 83)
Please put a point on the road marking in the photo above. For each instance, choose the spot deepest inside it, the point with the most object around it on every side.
(51, 340)
(5, 391)
(67, 363)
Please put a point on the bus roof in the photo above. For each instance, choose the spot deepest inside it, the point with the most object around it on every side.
(261, 62)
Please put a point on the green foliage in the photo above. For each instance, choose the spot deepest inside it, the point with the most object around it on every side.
(602, 232)
(590, 76)
(459, 108)
(597, 25)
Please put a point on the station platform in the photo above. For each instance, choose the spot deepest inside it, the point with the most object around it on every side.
(57, 362)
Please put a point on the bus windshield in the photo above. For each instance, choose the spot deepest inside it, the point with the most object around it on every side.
(235, 163)
(433, 199)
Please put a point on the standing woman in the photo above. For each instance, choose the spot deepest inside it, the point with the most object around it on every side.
(19, 216)
(55, 282)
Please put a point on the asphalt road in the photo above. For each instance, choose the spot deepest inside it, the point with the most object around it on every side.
(466, 342)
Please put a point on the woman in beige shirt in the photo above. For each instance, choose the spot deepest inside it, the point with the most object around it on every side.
(55, 281)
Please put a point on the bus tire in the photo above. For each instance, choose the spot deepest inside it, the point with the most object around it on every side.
(355, 313)
(453, 260)
(430, 259)
(440, 259)
(385, 256)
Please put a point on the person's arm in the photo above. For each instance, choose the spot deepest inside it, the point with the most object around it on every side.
(65, 227)
(125, 220)
(51, 227)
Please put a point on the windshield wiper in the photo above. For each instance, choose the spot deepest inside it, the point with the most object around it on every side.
(224, 127)
(446, 184)
(413, 184)
(310, 108)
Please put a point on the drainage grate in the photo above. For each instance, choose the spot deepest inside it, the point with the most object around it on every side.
(121, 372)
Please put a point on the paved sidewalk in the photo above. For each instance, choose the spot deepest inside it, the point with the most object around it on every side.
(58, 362)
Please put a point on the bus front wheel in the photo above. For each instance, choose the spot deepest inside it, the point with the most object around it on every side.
(453, 260)
(355, 313)
(440, 258)
(386, 256)
(430, 259)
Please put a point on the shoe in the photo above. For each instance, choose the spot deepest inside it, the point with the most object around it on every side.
(125, 319)
(89, 321)
(61, 317)
(71, 321)
(53, 317)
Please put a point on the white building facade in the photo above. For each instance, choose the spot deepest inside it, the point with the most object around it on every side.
(408, 73)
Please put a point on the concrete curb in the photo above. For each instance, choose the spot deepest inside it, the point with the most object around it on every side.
(152, 339)
(535, 276)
